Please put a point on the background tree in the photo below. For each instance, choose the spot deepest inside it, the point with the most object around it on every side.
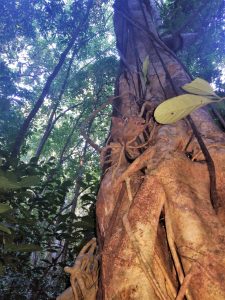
(48, 191)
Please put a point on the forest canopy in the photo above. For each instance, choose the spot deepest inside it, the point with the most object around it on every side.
(58, 66)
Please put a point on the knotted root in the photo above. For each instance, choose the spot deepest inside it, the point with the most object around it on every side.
(83, 275)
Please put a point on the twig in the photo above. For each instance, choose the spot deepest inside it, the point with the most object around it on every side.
(188, 143)
(92, 116)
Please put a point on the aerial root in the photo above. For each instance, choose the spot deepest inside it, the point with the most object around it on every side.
(83, 274)
(184, 285)
(210, 146)
(171, 242)
(130, 197)
(168, 280)
(143, 262)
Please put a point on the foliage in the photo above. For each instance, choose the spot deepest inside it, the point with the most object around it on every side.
(205, 57)
(36, 217)
(174, 109)
(47, 210)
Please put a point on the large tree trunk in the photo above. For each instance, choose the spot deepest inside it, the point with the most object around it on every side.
(160, 236)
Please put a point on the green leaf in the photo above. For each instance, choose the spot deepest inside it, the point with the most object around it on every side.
(5, 229)
(200, 87)
(9, 180)
(22, 247)
(4, 208)
(174, 109)
(29, 181)
(145, 67)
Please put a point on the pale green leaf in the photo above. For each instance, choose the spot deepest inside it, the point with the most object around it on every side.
(174, 109)
(5, 229)
(145, 67)
(200, 87)
(4, 208)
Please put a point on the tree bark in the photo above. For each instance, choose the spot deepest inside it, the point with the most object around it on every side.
(160, 237)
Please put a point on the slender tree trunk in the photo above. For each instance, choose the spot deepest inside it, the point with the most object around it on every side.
(51, 121)
(47, 132)
(160, 237)
(25, 126)
(67, 143)
(77, 189)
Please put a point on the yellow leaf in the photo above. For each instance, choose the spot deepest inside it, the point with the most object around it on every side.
(200, 87)
(177, 108)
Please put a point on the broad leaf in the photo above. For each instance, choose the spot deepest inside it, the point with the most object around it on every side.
(179, 107)
(4, 208)
(145, 67)
(9, 180)
(200, 87)
(5, 229)
(22, 248)
(29, 181)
